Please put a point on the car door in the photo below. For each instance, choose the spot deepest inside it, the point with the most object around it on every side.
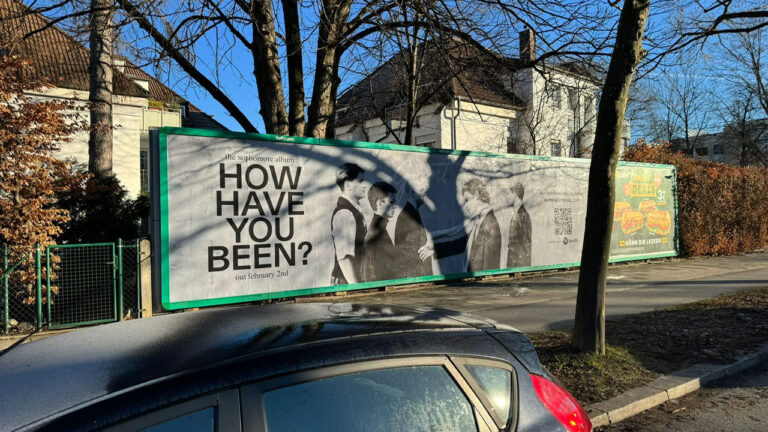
(405, 394)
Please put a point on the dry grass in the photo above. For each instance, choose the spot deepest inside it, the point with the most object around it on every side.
(642, 346)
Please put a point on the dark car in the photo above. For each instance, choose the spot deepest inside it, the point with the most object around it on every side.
(292, 367)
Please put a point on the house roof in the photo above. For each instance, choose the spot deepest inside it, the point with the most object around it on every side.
(452, 68)
(61, 60)
(57, 57)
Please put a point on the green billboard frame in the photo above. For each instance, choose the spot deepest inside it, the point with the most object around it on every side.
(164, 241)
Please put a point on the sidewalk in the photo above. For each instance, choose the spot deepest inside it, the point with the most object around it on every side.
(547, 302)
(669, 387)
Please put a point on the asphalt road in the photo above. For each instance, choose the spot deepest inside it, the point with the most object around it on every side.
(734, 404)
(548, 302)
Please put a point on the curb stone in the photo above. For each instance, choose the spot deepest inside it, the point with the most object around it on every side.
(668, 387)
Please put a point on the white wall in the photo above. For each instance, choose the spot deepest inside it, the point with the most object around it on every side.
(543, 121)
(130, 130)
(478, 127)
(427, 131)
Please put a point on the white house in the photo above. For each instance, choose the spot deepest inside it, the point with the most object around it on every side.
(140, 101)
(465, 103)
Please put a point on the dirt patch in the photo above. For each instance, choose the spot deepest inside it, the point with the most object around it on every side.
(642, 346)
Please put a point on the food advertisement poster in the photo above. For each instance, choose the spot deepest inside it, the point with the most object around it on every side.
(243, 217)
(644, 212)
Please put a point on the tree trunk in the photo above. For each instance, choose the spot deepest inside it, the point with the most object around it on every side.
(266, 68)
(330, 125)
(333, 20)
(295, 68)
(589, 326)
(101, 31)
(413, 85)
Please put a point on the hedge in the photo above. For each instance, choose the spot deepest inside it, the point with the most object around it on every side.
(723, 209)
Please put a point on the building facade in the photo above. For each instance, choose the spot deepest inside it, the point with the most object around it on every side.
(741, 143)
(505, 107)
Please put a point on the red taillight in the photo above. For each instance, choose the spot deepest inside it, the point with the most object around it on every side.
(562, 405)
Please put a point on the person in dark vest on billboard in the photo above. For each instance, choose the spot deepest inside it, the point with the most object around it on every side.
(519, 254)
(348, 226)
(409, 232)
(479, 237)
(380, 255)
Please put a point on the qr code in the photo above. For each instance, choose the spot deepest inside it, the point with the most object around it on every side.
(563, 221)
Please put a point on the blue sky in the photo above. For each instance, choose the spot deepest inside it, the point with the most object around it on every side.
(230, 64)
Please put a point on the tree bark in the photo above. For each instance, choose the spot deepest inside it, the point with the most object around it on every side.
(330, 125)
(266, 68)
(414, 69)
(296, 121)
(333, 20)
(101, 31)
(589, 326)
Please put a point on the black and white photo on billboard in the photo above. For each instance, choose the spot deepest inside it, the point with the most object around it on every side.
(519, 243)
(348, 225)
(392, 243)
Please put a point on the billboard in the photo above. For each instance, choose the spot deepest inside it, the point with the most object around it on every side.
(243, 217)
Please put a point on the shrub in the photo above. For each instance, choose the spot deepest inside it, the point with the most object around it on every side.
(31, 132)
(721, 208)
(100, 212)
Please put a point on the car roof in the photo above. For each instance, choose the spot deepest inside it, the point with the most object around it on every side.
(52, 375)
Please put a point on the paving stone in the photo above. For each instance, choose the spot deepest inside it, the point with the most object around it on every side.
(632, 402)
(597, 417)
(676, 386)
(742, 364)
(704, 372)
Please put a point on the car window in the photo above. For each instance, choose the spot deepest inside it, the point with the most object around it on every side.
(418, 398)
(496, 384)
(215, 412)
(198, 421)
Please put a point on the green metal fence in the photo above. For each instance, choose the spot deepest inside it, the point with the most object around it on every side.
(69, 285)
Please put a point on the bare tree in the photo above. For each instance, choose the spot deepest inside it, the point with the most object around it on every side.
(744, 140)
(589, 325)
(681, 102)
(746, 114)
(746, 54)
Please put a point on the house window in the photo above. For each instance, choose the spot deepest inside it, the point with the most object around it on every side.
(144, 169)
(718, 149)
(557, 97)
(573, 98)
(702, 151)
(589, 106)
(512, 144)
(554, 148)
